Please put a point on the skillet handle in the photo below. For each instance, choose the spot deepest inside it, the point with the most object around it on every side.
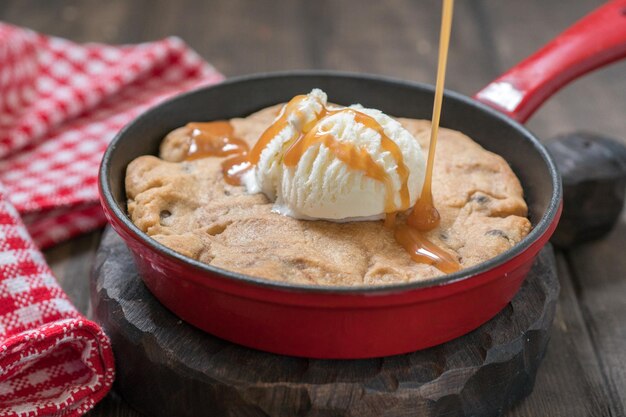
(596, 40)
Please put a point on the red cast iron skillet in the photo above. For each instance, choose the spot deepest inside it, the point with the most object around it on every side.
(348, 322)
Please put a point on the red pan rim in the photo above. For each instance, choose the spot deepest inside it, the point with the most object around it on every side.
(545, 225)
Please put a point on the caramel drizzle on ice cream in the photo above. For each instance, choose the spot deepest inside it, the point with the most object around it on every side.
(279, 124)
(348, 153)
(354, 157)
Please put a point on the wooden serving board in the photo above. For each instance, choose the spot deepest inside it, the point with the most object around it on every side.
(168, 368)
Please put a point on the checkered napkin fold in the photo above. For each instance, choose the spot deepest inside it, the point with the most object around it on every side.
(60, 104)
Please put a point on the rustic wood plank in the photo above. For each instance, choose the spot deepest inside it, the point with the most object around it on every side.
(569, 382)
(599, 278)
(398, 39)
(89, 21)
(237, 37)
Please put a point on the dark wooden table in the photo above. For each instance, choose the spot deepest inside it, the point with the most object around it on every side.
(584, 373)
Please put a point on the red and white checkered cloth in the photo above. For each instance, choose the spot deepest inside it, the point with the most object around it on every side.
(52, 360)
(60, 104)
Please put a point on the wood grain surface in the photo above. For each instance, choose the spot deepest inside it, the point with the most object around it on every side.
(584, 373)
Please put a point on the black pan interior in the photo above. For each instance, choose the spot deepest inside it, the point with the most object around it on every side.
(242, 96)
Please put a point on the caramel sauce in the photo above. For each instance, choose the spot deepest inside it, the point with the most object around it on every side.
(233, 168)
(213, 139)
(218, 139)
(424, 251)
(390, 220)
(354, 157)
(276, 127)
(392, 147)
(425, 216)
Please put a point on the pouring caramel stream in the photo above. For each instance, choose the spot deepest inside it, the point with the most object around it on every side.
(425, 216)
(217, 139)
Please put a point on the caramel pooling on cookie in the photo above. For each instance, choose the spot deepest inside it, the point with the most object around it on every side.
(213, 139)
(424, 251)
(218, 139)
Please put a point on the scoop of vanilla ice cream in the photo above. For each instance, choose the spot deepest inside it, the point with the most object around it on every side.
(267, 175)
(320, 185)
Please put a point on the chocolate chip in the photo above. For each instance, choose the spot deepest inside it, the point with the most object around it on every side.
(163, 215)
(187, 167)
(498, 233)
(443, 236)
(480, 199)
(226, 192)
